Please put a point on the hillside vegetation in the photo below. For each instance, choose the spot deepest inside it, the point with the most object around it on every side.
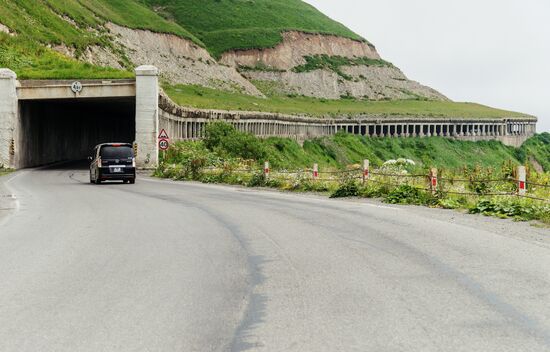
(41, 30)
(246, 24)
(344, 149)
(205, 98)
(49, 21)
(74, 24)
(473, 176)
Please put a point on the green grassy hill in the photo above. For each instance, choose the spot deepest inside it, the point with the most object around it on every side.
(245, 24)
(41, 23)
(217, 25)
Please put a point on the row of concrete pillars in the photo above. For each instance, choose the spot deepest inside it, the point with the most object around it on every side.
(184, 129)
(459, 129)
(187, 129)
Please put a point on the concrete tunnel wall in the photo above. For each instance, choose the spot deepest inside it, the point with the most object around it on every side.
(47, 121)
(59, 130)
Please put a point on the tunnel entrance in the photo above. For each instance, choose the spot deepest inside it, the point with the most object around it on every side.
(68, 129)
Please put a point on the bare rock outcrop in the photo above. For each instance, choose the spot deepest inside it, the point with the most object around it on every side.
(365, 82)
(376, 82)
(5, 29)
(180, 60)
(295, 46)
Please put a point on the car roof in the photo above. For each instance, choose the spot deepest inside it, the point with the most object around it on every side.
(113, 143)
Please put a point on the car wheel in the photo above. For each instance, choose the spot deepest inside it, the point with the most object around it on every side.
(91, 179)
(132, 181)
(98, 181)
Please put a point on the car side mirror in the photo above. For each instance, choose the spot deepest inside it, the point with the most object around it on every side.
(90, 158)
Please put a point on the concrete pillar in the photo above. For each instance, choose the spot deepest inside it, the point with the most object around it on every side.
(147, 99)
(8, 117)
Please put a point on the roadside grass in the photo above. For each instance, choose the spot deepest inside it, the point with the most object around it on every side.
(227, 25)
(4, 171)
(206, 98)
(468, 183)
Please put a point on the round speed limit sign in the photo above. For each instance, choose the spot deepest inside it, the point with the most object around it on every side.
(163, 144)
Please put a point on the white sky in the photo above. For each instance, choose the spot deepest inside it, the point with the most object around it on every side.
(493, 52)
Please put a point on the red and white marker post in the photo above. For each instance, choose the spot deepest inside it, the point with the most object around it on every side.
(266, 170)
(433, 180)
(522, 180)
(315, 172)
(366, 170)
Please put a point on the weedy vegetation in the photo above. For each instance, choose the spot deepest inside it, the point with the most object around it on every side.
(475, 177)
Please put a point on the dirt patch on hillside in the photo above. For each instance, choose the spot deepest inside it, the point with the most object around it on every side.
(5, 29)
(295, 45)
(179, 60)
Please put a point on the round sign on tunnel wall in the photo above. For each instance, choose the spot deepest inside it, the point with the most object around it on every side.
(76, 87)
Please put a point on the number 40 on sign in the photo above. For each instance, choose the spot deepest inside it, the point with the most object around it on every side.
(164, 140)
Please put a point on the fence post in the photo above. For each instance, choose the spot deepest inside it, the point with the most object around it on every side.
(266, 170)
(433, 180)
(366, 170)
(315, 171)
(522, 180)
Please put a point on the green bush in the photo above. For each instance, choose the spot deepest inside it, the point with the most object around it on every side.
(186, 161)
(521, 210)
(258, 180)
(223, 139)
(346, 189)
(406, 194)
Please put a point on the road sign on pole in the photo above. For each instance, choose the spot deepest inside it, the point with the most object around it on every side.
(163, 135)
(163, 144)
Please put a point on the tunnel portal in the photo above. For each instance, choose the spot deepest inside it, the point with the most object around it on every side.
(68, 129)
(46, 121)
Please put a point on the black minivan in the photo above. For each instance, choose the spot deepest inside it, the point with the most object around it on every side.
(113, 161)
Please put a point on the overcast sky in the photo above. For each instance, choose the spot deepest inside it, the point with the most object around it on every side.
(494, 52)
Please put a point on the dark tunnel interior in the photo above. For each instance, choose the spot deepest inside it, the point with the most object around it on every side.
(64, 130)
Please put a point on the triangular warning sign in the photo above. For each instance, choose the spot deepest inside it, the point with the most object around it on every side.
(163, 134)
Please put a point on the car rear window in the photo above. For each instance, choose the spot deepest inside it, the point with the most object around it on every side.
(122, 152)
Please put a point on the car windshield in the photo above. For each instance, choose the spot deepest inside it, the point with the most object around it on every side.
(112, 152)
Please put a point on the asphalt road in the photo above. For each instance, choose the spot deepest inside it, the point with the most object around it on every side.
(166, 266)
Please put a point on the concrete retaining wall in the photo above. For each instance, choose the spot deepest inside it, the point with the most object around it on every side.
(188, 124)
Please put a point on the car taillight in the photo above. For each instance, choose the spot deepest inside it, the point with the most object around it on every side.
(98, 162)
(133, 162)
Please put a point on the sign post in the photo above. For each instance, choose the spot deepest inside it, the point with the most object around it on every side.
(522, 180)
(366, 171)
(164, 142)
(433, 180)
(315, 172)
(266, 170)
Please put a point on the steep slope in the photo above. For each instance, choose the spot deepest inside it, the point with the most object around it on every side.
(273, 41)
(225, 25)
(112, 34)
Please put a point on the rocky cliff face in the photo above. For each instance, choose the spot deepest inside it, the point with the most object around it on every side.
(295, 47)
(179, 60)
(364, 82)
(277, 66)
(344, 67)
